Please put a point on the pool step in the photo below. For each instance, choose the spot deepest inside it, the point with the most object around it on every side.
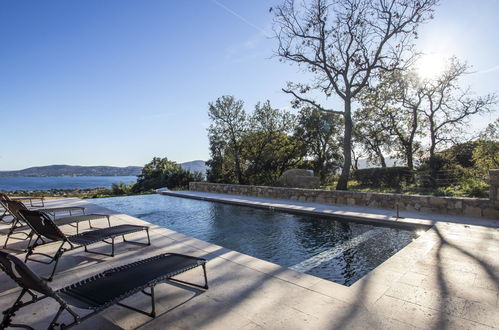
(332, 253)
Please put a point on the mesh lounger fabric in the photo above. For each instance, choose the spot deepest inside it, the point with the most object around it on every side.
(118, 283)
(98, 235)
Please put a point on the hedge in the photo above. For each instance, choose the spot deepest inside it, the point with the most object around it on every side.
(388, 177)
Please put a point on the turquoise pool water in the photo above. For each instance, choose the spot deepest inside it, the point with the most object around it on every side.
(337, 250)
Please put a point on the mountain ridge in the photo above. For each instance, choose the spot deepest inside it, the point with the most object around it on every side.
(78, 170)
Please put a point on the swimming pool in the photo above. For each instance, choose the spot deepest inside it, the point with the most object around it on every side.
(337, 250)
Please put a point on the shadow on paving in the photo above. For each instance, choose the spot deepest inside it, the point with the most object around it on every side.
(444, 284)
(243, 287)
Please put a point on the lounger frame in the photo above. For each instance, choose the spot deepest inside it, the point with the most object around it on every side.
(68, 243)
(46, 292)
(14, 207)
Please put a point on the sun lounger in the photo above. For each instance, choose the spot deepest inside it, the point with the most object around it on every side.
(41, 200)
(44, 228)
(5, 212)
(14, 207)
(98, 292)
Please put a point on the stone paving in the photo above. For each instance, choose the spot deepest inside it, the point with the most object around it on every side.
(448, 278)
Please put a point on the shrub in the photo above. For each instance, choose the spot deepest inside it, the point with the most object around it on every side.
(121, 188)
(387, 177)
(161, 172)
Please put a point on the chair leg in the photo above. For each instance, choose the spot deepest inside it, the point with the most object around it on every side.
(205, 286)
(101, 253)
(139, 243)
(31, 248)
(54, 323)
(9, 313)
(11, 231)
(56, 259)
(153, 304)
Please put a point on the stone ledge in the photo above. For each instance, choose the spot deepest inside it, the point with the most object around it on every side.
(476, 207)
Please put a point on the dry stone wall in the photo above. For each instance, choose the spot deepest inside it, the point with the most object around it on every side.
(476, 207)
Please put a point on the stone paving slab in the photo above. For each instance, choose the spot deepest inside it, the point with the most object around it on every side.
(448, 278)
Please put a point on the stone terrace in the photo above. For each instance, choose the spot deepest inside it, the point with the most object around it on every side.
(447, 278)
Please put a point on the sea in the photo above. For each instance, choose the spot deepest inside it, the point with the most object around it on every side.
(61, 182)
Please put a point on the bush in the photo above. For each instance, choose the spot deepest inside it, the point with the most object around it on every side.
(161, 172)
(387, 177)
(467, 188)
(447, 172)
(121, 188)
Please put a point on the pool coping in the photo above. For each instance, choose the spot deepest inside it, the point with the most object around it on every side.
(370, 215)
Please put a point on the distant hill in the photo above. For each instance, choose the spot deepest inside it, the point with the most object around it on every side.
(70, 170)
(195, 166)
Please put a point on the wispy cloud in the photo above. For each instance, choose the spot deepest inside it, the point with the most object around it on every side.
(241, 18)
(492, 69)
(247, 50)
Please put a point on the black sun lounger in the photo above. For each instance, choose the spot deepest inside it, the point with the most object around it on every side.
(14, 207)
(40, 203)
(45, 228)
(101, 291)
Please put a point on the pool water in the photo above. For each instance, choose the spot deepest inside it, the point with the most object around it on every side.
(337, 250)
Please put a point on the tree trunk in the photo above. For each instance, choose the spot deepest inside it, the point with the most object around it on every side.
(347, 147)
(239, 173)
(381, 158)
(433, 162)
(409, 157)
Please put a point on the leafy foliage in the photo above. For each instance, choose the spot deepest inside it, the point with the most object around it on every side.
(255, 150)
(388, 177)
(161, 172)
(389, 119)
(486, 153)
(119, 189)
(320, 133)
(229, 124)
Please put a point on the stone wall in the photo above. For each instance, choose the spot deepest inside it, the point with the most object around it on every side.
(476, 207)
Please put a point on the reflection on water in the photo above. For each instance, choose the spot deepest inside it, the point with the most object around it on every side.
(282, 238)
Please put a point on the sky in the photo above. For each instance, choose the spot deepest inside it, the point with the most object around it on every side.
(118, 82)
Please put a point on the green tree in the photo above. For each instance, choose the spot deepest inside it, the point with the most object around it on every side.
(390, 117)
(486, 153)
(320, 133)
(265, 147)
(161, 172)
(269, 147)
(371, 134)
(229, 123)
(343, 44)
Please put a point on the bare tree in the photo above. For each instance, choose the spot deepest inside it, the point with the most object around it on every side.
(343, 43)
(446, 108)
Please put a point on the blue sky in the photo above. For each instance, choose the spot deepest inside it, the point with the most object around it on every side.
(117, 82)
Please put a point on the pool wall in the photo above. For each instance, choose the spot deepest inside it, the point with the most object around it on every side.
(475, 207)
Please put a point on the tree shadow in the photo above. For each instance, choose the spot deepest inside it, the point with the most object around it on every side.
(443, 283)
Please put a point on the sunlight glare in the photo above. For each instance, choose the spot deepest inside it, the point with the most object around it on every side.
(430, 65)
